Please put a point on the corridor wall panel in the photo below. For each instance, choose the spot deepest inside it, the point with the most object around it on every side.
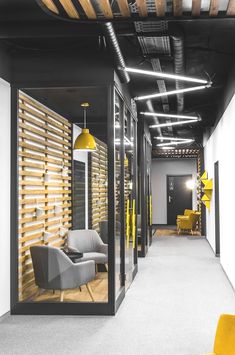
(220, 147)
(44, 159)
(5, 160)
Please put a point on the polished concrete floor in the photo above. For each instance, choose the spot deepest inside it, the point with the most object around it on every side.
(171, 309)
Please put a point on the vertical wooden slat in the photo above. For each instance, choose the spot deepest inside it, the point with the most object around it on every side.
(106, 8)
(160, 8)
(51, 6)
(88, 8)
(142, 8)
(231, 8)
(196, 8)
(177, 8)
(70, 8)
(214, 8)
(124, 8)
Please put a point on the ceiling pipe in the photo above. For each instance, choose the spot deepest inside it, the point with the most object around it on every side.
(111, 37)
(177, 42)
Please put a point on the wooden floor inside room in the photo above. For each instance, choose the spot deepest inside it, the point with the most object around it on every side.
(172, 231)
(99, 287)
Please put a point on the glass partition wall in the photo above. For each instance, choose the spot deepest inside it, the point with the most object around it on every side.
(66, 260)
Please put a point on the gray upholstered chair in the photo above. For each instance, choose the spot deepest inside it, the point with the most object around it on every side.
(88, 242)
(53, 270)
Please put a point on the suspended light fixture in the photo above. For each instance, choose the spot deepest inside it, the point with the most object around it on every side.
(169, 115)
(161, 138)
(173, 92)
(174, 142)
(168, 124)
(85, 141)
(164, 75)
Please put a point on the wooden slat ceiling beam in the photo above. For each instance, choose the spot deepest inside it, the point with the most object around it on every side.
(196, 7)
(142, 8)
(214, 8)
(231, 8)
(177, 8)
(70, 8)
(106, 8)
(51, 6)
(88, 8)
(160, 8)
(124, 8)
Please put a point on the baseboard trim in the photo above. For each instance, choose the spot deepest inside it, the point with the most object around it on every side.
(218, 257)
(5, 315)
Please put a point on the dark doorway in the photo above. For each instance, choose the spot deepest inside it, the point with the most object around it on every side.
(179, 197)
(217, 217)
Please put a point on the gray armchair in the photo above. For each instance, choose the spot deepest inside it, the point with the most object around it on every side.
(89, 243)
(53, 270)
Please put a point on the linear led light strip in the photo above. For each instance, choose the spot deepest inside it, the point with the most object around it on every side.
(173, 92)
(174, 141)
(168, 124)
(168, 115)
(164, 75)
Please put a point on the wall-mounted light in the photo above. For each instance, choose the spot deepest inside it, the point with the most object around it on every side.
(164, 75)
(173, 92)
(62, 231)
(190, 184)
(166, 115)
(57, 209)
(64, 171)
(85, 141)
(47, 177)
(46, 236)
(39, 212)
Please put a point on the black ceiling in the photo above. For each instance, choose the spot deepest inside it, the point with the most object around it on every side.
(209, 50)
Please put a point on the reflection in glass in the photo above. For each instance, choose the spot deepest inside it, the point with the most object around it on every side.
(118, 142)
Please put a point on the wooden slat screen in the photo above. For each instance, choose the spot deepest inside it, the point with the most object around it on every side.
(44, 159)
(98, 185)
(79, 195)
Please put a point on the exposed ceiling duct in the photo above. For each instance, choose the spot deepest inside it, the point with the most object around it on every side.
(111, 37)
(177, 42)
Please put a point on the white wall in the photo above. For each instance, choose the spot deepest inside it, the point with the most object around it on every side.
(160, 169)
(83, 157)
(5, 160)
(220, 147)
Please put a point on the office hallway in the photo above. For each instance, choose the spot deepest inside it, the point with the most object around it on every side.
(171, 309)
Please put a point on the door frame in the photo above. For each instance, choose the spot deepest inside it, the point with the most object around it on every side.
(167, 205)
(217, 209)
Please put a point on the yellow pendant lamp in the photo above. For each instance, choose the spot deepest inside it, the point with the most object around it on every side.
(85, 141)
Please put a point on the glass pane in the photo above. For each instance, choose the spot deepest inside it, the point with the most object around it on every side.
(118, 143)
(63, 197)
(130, 203)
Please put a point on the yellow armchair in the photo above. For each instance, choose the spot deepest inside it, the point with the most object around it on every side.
(188, 221)
(225, 336)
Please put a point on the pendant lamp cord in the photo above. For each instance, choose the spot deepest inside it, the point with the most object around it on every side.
(84, 117)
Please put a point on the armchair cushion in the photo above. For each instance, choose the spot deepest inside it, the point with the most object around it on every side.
(99, 258)
(90, 244)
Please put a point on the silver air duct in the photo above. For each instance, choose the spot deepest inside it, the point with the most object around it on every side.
(114, 45)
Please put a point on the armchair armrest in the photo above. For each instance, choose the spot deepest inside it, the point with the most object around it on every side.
(103, 248)
(84, 272)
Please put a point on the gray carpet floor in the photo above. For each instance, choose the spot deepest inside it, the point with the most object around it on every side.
(171, 309)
